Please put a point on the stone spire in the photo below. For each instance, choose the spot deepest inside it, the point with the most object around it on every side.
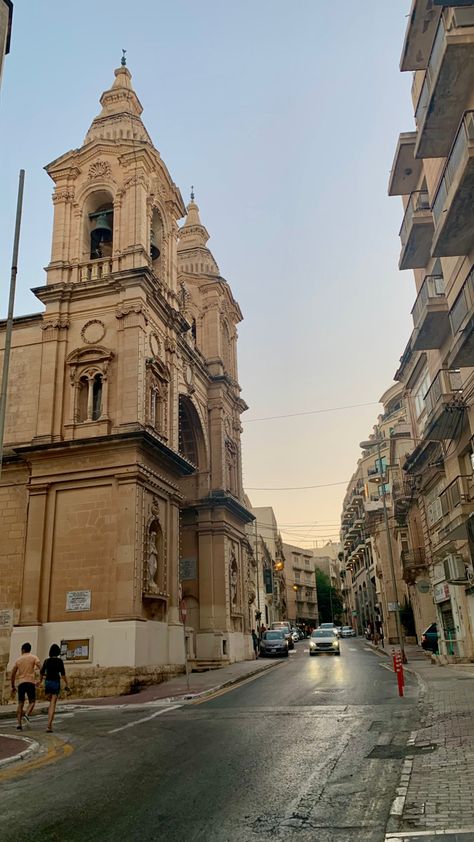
(121, 110)
(192, 245)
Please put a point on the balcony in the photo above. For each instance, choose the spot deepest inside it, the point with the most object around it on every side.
(453, 211)
(449, 79)
(406, 169)
(461, 317)
(413, 562)
(430, 315)
(444, 406)
(416, 233)
(456, 504)
(421, 29)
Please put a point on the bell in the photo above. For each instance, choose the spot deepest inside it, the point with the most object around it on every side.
(154, 250)
(101, 228)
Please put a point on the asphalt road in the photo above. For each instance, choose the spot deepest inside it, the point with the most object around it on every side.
(282, 756)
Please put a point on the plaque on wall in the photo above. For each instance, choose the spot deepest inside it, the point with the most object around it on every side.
(187, 569)
(78, 601)
(6, 618)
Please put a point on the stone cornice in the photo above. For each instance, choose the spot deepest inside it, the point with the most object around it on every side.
(221, 499)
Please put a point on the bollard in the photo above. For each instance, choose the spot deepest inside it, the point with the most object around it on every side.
(398, 667)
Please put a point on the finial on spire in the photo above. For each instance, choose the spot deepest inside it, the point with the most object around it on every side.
(192, 192)
(123, 60)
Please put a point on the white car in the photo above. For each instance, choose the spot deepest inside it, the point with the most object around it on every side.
(324, 640)
(347, 631)
(331, 626)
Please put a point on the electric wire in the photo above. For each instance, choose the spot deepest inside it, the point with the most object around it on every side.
(309, 412)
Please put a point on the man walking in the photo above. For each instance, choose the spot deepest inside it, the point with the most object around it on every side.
(24, 674)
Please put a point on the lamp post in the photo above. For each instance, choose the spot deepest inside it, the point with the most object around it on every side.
(366, 445)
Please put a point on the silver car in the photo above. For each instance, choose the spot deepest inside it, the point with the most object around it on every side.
(324, 640)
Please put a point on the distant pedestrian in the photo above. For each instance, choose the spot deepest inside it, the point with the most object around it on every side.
(23, 673)
(255, 643)
(51, 671)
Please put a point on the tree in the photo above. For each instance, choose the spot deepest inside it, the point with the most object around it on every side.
(330, 602)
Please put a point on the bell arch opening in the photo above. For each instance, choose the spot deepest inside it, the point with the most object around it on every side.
(98, 233)
(191, 436)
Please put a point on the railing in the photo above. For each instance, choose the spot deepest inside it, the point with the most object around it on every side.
(434, 63)
(431, 289)
(372, 472)
(447, 383)
(414, 558)
(457, 492)
(419, 200)
(464, 303)
(459, 151)
(95, 269)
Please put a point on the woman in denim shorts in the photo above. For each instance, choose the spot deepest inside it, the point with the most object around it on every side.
(51, 671)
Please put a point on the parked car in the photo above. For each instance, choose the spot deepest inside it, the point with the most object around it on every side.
(324, 640)
(429, 638)
(274, 643)
(329, 626)
(284, 626)
(347, 631)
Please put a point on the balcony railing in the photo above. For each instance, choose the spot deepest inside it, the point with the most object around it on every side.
(418, 201)
(93, 270)
(414, 558)
(464, 304)
(447, 383)
(432, 289)
(434, 63)
(457, 492)
(459, 152)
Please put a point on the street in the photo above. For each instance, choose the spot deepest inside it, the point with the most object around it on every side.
(283, 755)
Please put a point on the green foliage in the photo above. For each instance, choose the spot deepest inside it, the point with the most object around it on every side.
(407, 619)
(330, 602)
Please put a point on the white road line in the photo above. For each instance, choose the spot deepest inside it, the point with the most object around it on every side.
(352, 649)
(144, 719)
(386, 667)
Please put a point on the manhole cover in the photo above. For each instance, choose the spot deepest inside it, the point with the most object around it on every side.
(394, 752)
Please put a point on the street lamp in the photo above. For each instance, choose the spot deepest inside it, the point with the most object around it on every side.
(366, 445)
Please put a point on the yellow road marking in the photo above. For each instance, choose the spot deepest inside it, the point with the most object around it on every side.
(232, 687)
(56, 751)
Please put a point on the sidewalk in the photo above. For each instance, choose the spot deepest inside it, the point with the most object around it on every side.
(200, 684)
(15, 748)
(437, 782)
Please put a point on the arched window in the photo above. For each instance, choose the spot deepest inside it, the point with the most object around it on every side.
(156, 238)
(89, 397)
(82, 398)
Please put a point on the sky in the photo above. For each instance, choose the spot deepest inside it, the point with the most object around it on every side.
(285, 117)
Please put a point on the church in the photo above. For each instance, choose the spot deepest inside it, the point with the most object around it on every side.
(122, 514)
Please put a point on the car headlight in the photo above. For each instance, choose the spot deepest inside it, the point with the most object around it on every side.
(335, 643)
(312, 645)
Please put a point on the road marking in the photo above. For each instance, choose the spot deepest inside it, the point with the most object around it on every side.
(386, 667)
(235, 686)
(412, 834)
(57, 750)
(352, 649)
(143, 719)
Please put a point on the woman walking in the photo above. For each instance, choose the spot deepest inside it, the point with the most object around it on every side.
(51, 671)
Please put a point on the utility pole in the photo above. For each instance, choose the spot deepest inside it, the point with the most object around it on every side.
(9, 327)
(258, 580)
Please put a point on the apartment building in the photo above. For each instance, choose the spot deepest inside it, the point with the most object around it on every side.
(301, 594)
(433, 172)
(270, 602)
(6, 15)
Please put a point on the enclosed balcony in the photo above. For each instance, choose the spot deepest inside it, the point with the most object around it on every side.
(457, 503)
(406, 169)
(444, 406)
(430, 315)
(448, 83)
(453, 208)
(462, 325)
(416, 233)
(421, 29)
(413, 563)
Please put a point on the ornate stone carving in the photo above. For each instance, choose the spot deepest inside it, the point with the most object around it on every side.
(60, 323)
(93, 332)
(138, 309)
(155, 344)
(66, 195)
(233, 580)
(99, 169)
(134, 180)
(170, 345)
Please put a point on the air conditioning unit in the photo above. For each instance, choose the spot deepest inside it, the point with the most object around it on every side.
(454, 568)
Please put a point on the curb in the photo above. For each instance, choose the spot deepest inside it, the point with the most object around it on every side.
(20, 755)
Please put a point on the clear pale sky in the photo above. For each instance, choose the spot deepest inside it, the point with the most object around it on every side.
(285, 117)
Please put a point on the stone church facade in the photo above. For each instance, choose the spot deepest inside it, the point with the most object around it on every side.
(121, 499)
